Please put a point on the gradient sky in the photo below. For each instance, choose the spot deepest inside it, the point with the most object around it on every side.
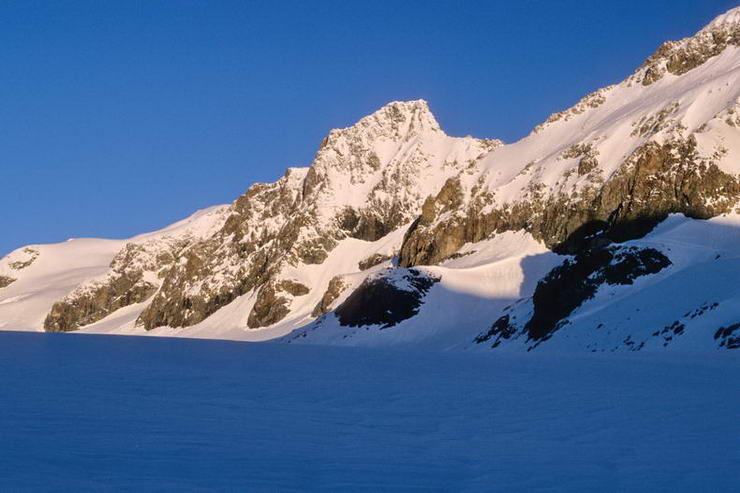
(122, 117)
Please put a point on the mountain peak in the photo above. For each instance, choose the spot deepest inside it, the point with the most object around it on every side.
(397, 121)
(416, 106)
(402, 119)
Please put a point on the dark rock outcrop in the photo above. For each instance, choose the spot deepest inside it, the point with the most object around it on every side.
(30, 255)
(373, 260)
(25, 258)
(96, 303)
(271, 305)
(373, 223)
(566, 287)
(269, 308)
(728, 337)
(385, 301)
(679, 57)
(6, 281)
(501, 329)
(569, 285)
(124, 285)
(293, 288)
(333, 292)
(593, 100)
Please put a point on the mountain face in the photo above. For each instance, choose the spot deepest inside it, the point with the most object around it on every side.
(613, 225)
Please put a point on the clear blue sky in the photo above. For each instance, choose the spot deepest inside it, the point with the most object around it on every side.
(122, 117)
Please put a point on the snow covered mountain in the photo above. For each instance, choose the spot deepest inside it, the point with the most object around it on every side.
(613, 225)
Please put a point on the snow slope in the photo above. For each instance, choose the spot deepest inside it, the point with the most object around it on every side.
(471, 291)
(627, 116)
(127, 413)
(57, 270)
(681, 307)
(229, 321)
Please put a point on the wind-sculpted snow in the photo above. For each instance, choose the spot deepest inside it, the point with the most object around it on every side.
(488, 220)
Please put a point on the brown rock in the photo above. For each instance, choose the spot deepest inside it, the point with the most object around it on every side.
(333, 291)
(96, 304)
(6, 281)
(268, 309)
(373, 260)
(655, 181)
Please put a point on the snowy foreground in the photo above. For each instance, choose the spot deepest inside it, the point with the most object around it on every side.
(130, 413)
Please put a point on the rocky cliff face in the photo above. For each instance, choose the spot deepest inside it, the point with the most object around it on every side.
(129, 281)
(135, 274)
(656, 180)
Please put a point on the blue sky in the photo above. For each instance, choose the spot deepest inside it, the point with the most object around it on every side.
(122, 117)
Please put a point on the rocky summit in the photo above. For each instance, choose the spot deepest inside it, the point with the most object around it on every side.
(614, 225)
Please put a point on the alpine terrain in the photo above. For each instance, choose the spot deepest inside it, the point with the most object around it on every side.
(614, 225)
